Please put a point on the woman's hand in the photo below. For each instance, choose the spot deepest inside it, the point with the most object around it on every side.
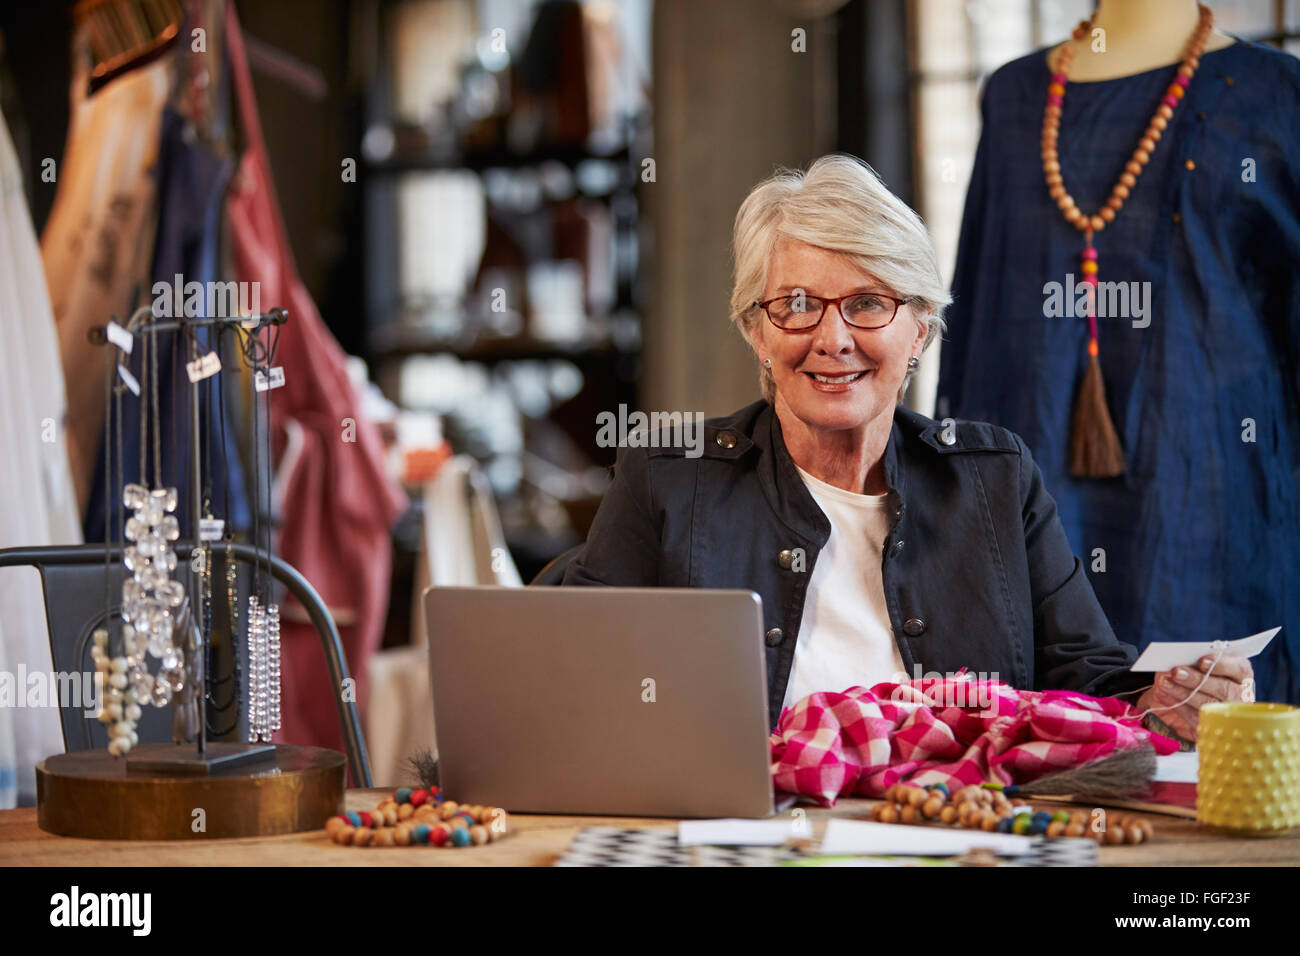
(1231, 679)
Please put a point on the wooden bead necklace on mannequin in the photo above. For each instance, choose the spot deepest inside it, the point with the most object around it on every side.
(1095, 450)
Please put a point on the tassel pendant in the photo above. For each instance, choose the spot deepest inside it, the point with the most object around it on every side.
(1123, 774)
(1095, 449)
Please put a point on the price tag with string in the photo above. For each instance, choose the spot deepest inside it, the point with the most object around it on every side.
(205, 366)
(211, 529)
(119, 337)
(128, 379)
(265, 383)
(1164, 655)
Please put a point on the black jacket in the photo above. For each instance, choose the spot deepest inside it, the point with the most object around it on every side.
(977, 569)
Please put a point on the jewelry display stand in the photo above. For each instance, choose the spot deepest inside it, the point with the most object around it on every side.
(208, 788)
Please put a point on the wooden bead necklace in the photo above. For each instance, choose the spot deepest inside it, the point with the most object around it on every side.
(1095, 451)
(990, 810)
(419, 817)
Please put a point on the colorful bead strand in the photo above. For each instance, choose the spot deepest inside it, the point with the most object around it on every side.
(419, 817)
(990, 810)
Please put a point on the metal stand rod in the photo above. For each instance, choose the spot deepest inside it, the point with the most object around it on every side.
(200, 665)
(97, 335)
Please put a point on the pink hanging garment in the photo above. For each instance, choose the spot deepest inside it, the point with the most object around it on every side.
(338, 503)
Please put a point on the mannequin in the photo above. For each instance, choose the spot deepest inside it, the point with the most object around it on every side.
(1140, 35)
(1198, 538)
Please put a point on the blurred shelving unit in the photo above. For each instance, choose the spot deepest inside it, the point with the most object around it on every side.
(504, 243)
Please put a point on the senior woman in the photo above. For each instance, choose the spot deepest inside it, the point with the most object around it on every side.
(884, 545)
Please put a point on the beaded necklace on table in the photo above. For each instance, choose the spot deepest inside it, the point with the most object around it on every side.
(988, 807)
(419, 817)
(1095, 448)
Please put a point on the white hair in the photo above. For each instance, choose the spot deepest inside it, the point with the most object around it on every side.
(839, 205)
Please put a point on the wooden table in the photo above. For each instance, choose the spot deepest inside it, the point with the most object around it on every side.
(541, 840)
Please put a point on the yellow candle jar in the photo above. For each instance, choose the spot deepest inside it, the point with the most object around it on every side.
(1249, 778)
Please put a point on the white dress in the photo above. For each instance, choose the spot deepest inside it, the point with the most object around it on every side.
(37, 503)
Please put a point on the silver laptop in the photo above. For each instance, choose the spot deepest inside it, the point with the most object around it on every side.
(592, 700)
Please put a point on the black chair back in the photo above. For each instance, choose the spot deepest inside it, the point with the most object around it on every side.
(72, 578)
(553, 574)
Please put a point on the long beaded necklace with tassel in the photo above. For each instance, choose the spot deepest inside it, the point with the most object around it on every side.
(1095, 450)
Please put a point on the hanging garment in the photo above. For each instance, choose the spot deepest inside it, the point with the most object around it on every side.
(191, 190)
(98, 243)
(338, 502)
(39, 502)
(941, 730)
(1200, 539)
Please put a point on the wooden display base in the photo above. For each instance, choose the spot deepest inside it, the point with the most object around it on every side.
(93, 794)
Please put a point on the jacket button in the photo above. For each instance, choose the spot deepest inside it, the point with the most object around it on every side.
(946, 437)
(914, 626)
(898, 546)
(785, 558)
(726, 439)
(773, 637)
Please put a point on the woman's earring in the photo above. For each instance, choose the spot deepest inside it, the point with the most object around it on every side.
(767, 363)
(913, 364)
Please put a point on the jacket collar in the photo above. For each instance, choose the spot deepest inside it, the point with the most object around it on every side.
(756, 429)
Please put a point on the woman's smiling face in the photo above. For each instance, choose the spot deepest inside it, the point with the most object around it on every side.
(866, 367)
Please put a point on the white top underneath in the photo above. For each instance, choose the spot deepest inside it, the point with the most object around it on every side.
(845, 638)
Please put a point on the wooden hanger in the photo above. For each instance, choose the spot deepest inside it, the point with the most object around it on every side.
(124, 34)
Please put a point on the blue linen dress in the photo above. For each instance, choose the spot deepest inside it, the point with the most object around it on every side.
(1200, 538)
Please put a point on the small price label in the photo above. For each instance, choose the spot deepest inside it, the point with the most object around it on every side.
(120, 337)
(205, 366)
(128, 379)
(211, 529)
(265, 383)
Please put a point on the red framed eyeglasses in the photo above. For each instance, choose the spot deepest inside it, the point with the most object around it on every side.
(862, 310)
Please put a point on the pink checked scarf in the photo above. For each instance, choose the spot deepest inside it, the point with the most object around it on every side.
(944, 730)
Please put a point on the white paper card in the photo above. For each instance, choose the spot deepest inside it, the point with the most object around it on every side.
(1177, 767)
(205, 366)
(275, 381)
(211, 529)
(128, 379)
(120, 337)
(738, 832)
(1162, 655)
(854, 837)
